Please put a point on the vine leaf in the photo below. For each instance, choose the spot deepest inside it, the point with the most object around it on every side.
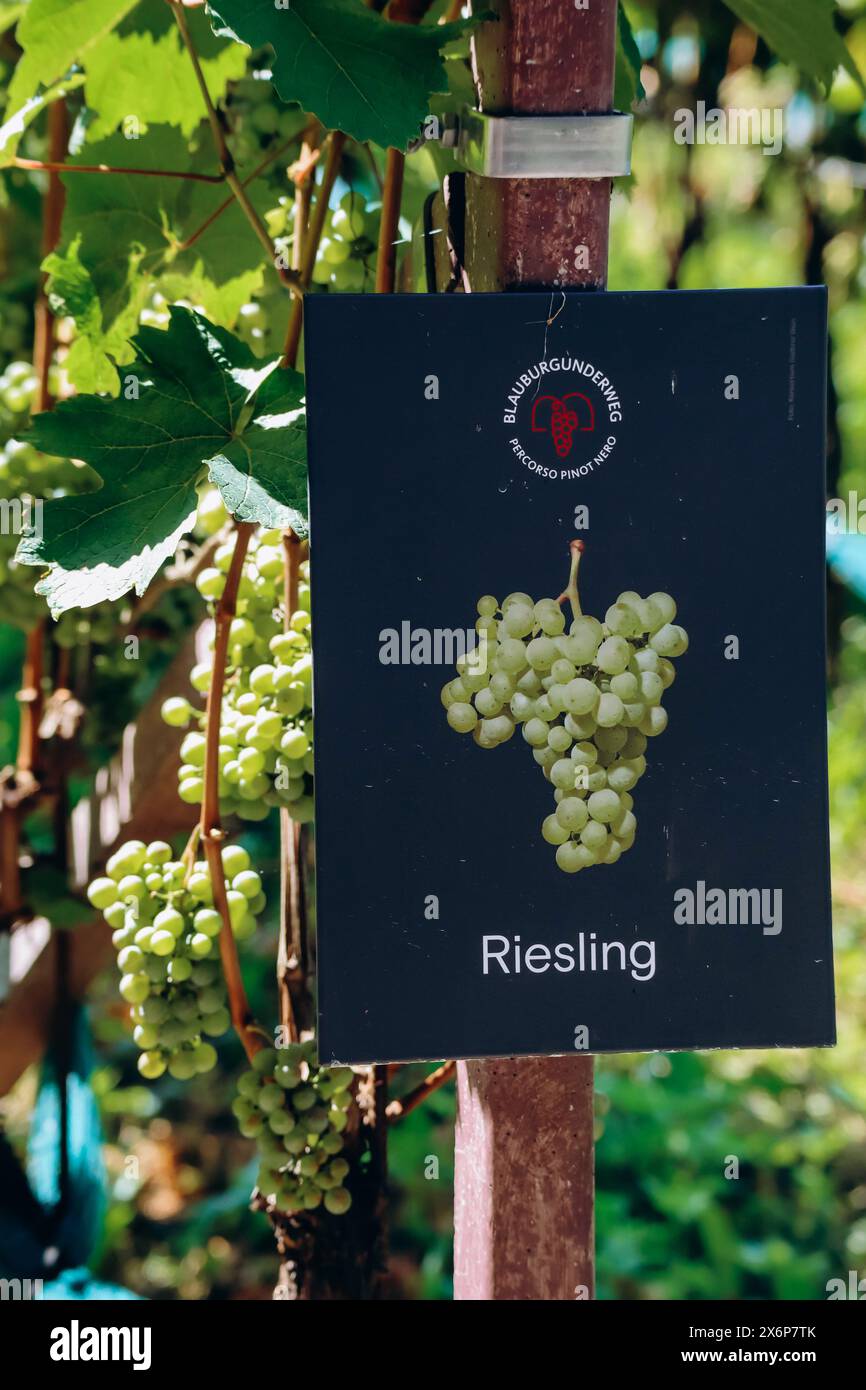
(117, 48)
(17, 122)
(262, 474)
(90, 361)
(129, 232)
(628, 87)
(342, 61)
(801, 32)
(196, 403)
(149, 43)
(54, 34)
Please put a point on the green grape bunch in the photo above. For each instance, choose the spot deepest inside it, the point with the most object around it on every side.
(346, 256)
(266, 733)
(165, 930)
(297, 1112)
(257, 119)
(345, 259)
(587, 699)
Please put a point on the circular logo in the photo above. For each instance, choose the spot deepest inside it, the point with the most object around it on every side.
(560, 414)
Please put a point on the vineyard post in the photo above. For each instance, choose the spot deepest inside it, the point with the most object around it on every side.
(523, 1186)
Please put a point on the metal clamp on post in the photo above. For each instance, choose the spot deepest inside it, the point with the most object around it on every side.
(542, 147)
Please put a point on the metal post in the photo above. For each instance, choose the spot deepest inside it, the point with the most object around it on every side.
(523, 1199)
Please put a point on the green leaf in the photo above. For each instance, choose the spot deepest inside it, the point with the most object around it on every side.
(628, 87)
(16, 124)
(10, 13)
(90, 362)
(54, 34)
(129, 231)
(801, 32)
(355, 70)
(262, 475)
(195, 399)
(122, 73)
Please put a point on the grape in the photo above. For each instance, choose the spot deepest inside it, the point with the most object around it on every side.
(588, 701)
(462, 717)
(519, 620)
(621, 778)
(634, 745)
(338, 1201)
(667, 671)
(571, 813)
(487, 704)
(571, 857)
(622, 620)
(651, 687)
(235, 860)
(511, 655)
(669, 641)
(297, 1111)
(625, 824)
(594, 835)
(654, 722)
(581, 696)
(559, 739)
(553, 830)
(613, 655)
(610, 710)
(645, 659)
(535, 731)
(610, 740)
(626, 686)
(102, 892)
(151, 1065)
(562, 774)
(666, 607)
(541, 653)
(584, 753)
(134, 988)
(604, 805)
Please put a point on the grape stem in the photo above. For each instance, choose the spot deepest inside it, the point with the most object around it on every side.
(188, 856)
(227, 165)
(227, 202)
(59, 167)
(406, 1104)
(570, 592)
(312, 237)
(210, 828)
(290, 951)
(386, 254)
(301, 174)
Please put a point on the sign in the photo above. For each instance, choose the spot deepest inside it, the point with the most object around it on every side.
(594, 824)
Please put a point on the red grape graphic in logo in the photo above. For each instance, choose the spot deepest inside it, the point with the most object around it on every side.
(562, 420)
